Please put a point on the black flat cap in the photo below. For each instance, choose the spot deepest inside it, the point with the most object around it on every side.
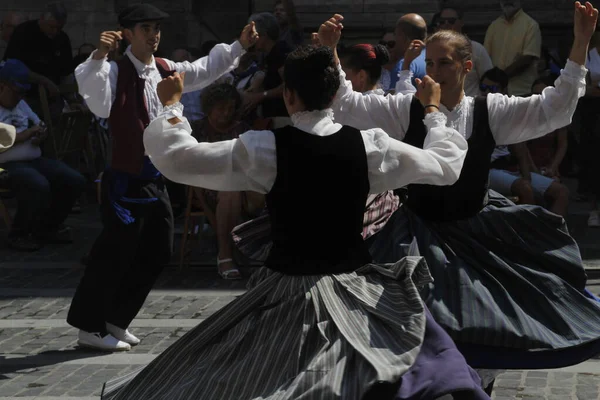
(139, 13)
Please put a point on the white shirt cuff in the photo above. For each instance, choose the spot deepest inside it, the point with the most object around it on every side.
(435, 119)
(575, 70)
(173, 111)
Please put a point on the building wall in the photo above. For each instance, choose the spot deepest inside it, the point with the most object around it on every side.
(194, 21)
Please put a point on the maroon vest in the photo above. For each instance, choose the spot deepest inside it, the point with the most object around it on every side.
(129, 117)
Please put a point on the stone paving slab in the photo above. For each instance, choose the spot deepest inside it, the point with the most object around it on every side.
(155, 307)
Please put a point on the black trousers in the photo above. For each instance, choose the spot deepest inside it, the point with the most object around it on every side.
(126, 259)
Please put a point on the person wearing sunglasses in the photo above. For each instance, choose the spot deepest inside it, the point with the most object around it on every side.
(389, 41)
(452, 18)
(409, 28)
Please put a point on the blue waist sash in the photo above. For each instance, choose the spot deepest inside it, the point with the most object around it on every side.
(120, 184)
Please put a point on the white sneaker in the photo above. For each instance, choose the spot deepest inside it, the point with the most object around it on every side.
(106, 343)
(594, 220)
(122, 334)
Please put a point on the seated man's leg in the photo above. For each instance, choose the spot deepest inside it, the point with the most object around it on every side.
(511, 184)
(66, 186)
(554, 192)
(33, 194)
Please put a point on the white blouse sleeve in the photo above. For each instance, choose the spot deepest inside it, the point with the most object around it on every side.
(247, 163)
(390, 113)
(518, 119)
(97, 82)
(204, 71)
(394, 164)
(404, 84)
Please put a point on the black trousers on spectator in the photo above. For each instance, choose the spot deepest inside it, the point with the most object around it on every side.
(46, 190)
(126, 259)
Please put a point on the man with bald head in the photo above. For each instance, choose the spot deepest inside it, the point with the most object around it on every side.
(408, 28)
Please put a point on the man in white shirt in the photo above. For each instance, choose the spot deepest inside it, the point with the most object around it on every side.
(137, 237)
(452, 18)
(46, 189)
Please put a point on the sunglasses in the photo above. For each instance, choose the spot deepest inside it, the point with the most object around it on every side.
(451, 21)
(390, 43)
(489, 88)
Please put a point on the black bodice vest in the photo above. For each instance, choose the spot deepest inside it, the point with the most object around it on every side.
(317, 202)
(469, 194)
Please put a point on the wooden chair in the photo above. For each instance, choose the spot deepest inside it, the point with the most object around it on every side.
(193, 225)
(69, 135)
(3, 210)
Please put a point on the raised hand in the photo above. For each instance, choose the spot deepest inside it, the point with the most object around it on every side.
(330, 31)
(109, 41)
(429, 92)
(170, 89)
(414, 50)
(585, 19)
(249, 36)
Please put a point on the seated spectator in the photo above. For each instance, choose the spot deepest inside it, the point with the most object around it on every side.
(513, 172)
(46, 49)
(221, 104)
(45, 189)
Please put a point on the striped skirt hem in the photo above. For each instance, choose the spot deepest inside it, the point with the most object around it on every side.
(295, 337)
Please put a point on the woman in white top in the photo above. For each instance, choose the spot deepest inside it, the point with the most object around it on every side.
(509, 280)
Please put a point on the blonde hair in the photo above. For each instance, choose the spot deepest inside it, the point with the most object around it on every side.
(460, 42)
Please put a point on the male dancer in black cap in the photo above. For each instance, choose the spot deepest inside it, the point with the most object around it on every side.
(137, 236)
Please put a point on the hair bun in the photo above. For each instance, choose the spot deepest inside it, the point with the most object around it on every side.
(382, 54)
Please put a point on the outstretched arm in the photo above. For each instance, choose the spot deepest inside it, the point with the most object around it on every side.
(222, 58)
(247, 163)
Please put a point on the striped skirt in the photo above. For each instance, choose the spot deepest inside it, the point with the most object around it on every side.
(295, 337)
(508, 283)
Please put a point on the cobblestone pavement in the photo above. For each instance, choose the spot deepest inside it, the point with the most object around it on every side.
(39, 357)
